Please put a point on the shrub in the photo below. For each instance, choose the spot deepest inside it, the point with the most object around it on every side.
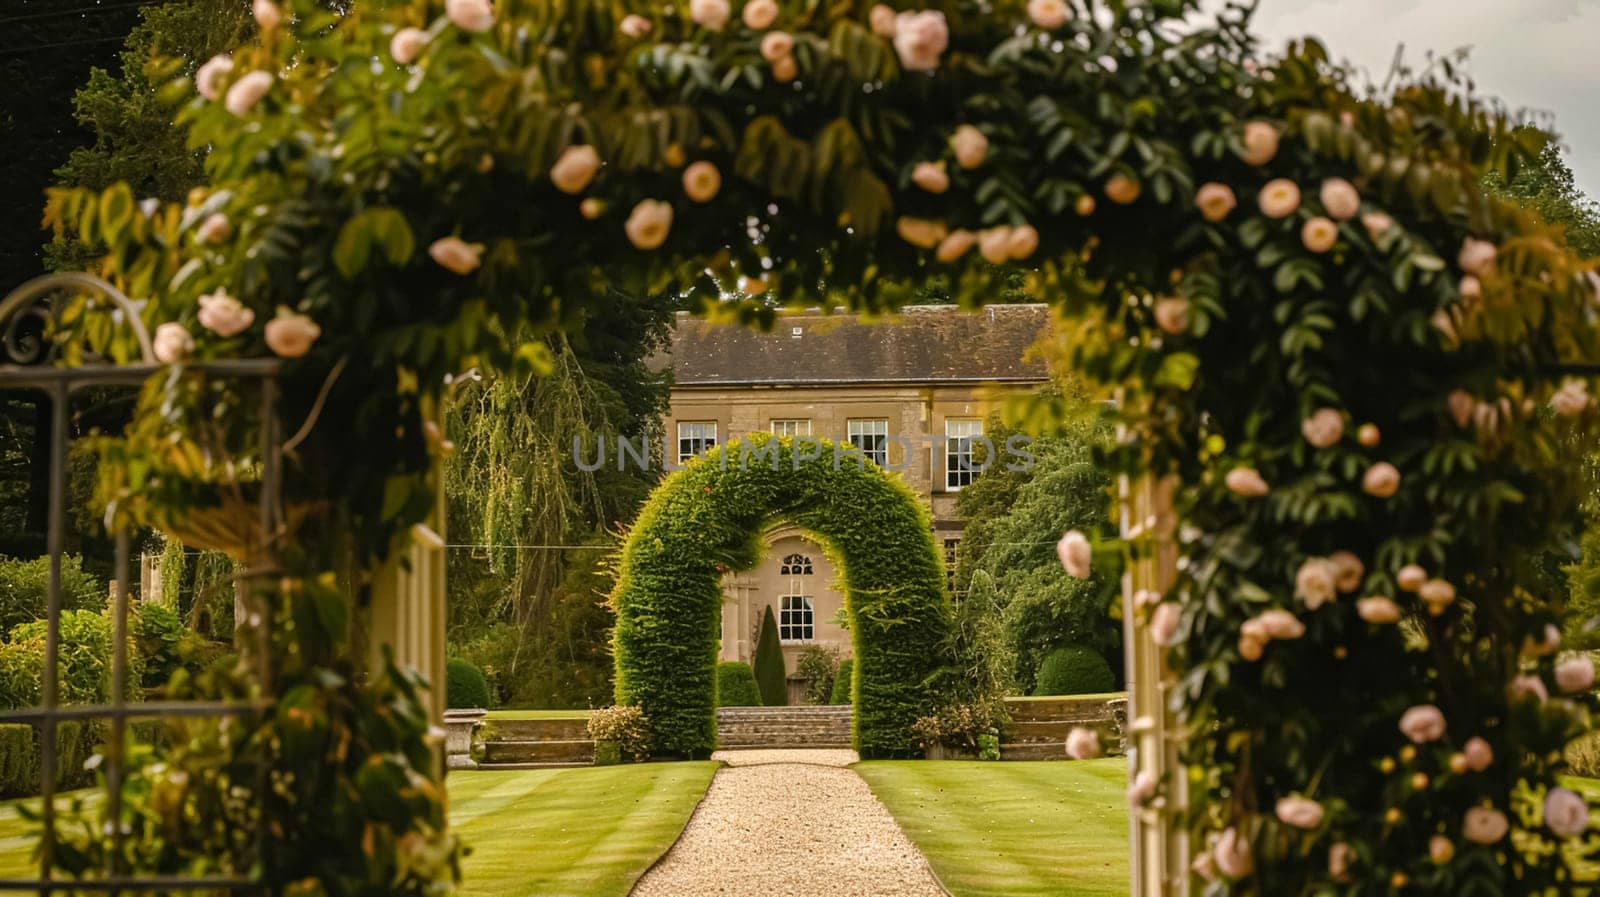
(818, 665)
(958, 726)
(842, 682)
(772, 676)
(85, 658)
(625, 727)
(24, 589)
(988, 746)
(465, 685)
(1074, 670)
(20, 753)
(736, 685)
(165, 642)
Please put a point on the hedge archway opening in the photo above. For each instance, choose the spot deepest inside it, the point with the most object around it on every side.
(711, 517)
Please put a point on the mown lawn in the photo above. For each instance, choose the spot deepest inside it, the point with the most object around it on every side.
(1013, 829)
(586, 832)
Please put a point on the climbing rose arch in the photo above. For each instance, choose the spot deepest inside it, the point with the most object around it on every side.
(1363, 371)
(709, 517)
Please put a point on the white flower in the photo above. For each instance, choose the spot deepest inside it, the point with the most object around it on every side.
(1299, 812)
(575, 168)
(456, 255)
(955, 245)
(1437, 594)
(648, 224)
(1378, 609)
(247, 92)
(1164, 624)
(291, 335)
(1314, 583)
(1247, 482)
(1215, 201)
(1423, 723)
(881, 18)
(701, 181)
(970, 146)
(1142, 788)
(635, 26)
(920, 38)
(1381, 480)
(1575, 675)
(407, 44)
(1122, 190)
(1083, 744)
(710, 14)
(1279, 198)
(931, 177)
(758, 15)
(172, 343)
(1565, 812)
(1260, 143)
(1340, 199)
(208, 79)
(1320, 234)
(267, 14)
(1075, 554)
(1572, 399)
(1483, 825)
(1172, 314)
(921, 232)
(1324, 428)
(476, 16)
(1232, 853)
(216, 228)
(1347, 571)
(224, 315)
(1477, 257)
(1049, 14)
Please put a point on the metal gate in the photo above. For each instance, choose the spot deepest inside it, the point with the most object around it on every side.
(30, 320)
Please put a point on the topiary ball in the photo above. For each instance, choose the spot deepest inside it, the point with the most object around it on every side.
(465, 686)
(736, 685)
(1074, 670)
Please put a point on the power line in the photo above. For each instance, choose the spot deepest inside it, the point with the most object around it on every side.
(106, 7)
(66, 43)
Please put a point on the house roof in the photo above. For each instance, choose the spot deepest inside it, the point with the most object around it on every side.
(921, 344)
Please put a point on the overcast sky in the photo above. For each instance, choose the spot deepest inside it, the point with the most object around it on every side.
(1536, 54)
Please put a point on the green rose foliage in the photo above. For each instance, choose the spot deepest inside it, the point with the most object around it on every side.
(343, 167)
(707, 519)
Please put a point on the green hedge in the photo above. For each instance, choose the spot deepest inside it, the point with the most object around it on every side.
(772, 675)
(708, 518)
(20, 753)
(1074, 670)
(842, 682)
(465, 685)
(736, 685)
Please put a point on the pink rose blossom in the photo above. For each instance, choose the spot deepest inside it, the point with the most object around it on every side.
(1164, 626)
(1378, 609)
(1461, 404)
(994, 244)
(1279, 198)
(172, 343)
(1423, 723)
(1549, 641)
(635, 26)
(1565, 812)
(1478, 754)
(1369, 435)
(1437, 594)
(1575, 675)
(267, 14)
(592, 208)
(1215, 201)
(1377, 224)
(1528, 686)
(1347, 571)
(1083, 744)
(1477, 257)
(1411, 577)
(881, 18)
(1314, 583)
(1320, 234)
(1142, 789)
(456, 255)
(216, 228)
(921, 232)
(1075, 554)
(955, 245)
(1340, 199)
(785, 70)
(1441, 850)
(759, 15)
(1281, 625)
(1172, 314)
(1572, 399)
(224, 315)
(476, 16)
(1381, 480)
(208, 79)
(920, 38)
(1204, 866)
(1122, 190)
(970, 146)
(1251, 649)
(1471, 289)
(1247, 482)
(246, 92)
(1260, 143)
(1022, 242)
(1483, 825)
(1324, 428)
(711, 15)
(649, 224)
(291, 335)
(1299, 812)
(1049, 14)
(1341, 856)
(776, 45)
(1232, 852)
(931, 177)
(701, 181)
(407, 44)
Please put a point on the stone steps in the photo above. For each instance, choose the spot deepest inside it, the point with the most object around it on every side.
(745, 728)
(539, 729)
(564, 751)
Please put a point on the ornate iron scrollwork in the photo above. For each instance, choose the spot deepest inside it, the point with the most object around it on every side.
(30, 317)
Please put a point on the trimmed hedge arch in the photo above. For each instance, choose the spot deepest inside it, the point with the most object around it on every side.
(709, 517)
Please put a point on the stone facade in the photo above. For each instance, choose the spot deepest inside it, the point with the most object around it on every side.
(920, 384)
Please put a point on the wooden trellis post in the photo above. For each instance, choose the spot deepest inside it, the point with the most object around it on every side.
(1158, 845)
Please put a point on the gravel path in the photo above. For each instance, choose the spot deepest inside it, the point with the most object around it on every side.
(790, 824)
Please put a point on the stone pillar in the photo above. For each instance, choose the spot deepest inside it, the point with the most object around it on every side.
(1158, 842)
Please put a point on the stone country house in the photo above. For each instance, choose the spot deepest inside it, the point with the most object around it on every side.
(912, 393)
